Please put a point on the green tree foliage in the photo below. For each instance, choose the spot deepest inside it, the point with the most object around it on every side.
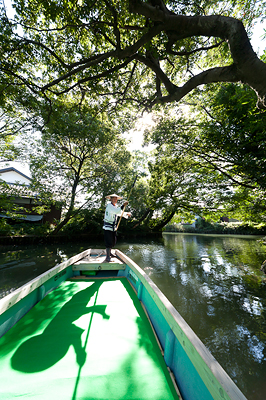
(139, 52)
(219, 149)
(12, 124)
(119, 179)
(139, 194)
(233, 132)
(177, 185)
(71, 160)
(123, 57)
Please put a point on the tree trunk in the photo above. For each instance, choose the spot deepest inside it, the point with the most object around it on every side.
(163, 222)
(70, 210)
(144, 216)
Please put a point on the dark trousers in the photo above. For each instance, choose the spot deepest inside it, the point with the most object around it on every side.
(109, 238)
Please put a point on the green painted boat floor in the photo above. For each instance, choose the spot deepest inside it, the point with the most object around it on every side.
(84, 340)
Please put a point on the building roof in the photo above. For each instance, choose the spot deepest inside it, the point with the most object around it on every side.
(12, 169)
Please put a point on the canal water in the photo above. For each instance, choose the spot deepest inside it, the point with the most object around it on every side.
(213, 281)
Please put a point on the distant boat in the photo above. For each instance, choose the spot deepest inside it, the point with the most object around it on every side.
(87, 329)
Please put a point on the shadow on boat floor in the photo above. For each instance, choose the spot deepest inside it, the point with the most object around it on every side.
(85, 340)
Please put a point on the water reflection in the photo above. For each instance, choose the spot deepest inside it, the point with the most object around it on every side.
(216, 285)
(214, 282)
(20, 264)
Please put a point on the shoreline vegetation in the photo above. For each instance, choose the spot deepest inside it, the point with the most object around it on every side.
(24, 234)
(28, 232)
(237, 229)
(65, 238)
(225, 228)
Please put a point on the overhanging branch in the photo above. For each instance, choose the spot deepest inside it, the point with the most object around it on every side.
(218, 74)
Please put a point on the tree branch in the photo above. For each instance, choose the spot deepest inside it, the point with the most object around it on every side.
(151, 63)
(246, 67)
(218, 74)
(249, 68)
(188, 53)
(217, 168)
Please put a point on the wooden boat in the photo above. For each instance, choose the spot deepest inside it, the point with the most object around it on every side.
(87, 329)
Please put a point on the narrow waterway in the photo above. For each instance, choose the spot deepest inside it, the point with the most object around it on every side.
(213, 281)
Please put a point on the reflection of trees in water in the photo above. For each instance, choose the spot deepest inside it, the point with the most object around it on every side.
(224, 302)
(20, 264)
(233, 250)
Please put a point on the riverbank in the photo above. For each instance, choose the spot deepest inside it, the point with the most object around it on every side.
(83, 237)
(96, 237)
(218, 228)
(24, 233)
(242, 236)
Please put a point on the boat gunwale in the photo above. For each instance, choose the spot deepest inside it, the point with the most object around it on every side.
(198, 351)
(177, 324)
(14, 297)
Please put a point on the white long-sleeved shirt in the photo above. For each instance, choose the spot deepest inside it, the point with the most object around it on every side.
(110, 216)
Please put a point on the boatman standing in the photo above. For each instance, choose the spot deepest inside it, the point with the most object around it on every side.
(112, 212)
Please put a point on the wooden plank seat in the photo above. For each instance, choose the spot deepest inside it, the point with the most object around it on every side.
(95, 261)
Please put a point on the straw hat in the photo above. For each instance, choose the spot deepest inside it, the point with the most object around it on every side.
(114, 195)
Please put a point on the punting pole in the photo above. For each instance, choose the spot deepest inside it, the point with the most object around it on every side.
(127, 200)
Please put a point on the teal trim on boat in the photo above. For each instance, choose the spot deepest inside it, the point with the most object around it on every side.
(83, 337)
